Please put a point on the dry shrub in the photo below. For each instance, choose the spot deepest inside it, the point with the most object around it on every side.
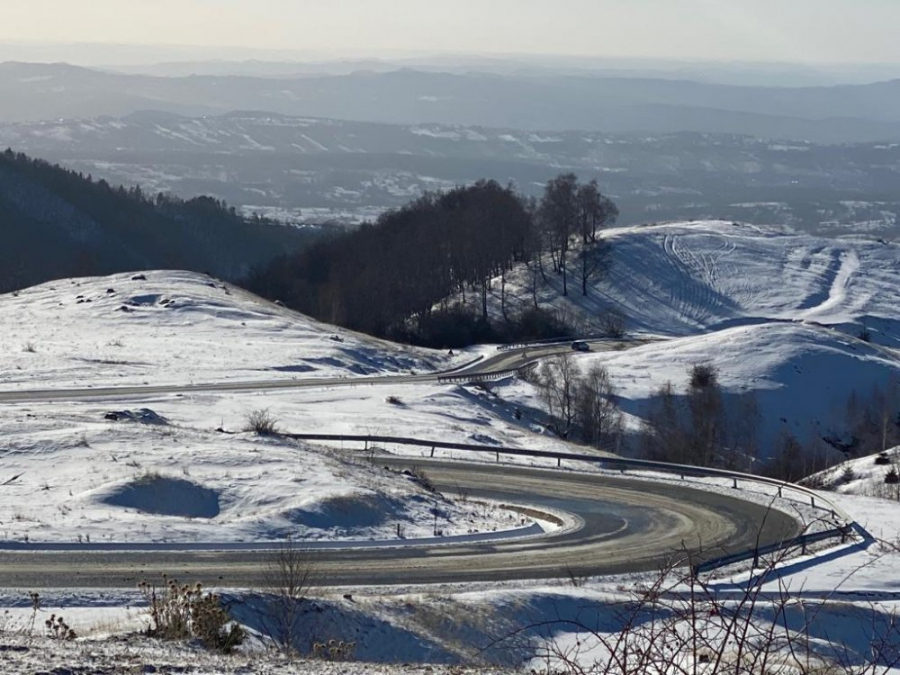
(181, 612)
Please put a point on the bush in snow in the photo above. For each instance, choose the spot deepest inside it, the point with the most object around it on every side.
(181, 612)
(703, 375)
(261, 422)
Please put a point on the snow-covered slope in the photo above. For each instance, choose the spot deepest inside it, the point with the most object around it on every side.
(862, 476)
(174, 327)
(164, 474)
(802, 376)
(687, 278)
(75, 476)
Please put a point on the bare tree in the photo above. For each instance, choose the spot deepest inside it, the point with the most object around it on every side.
(664, 435)
(598, 417)
(707, 414)
(595, 257)
(557, 380)
(680, 623)
(595, 211)
(287, 580)
(559, 218)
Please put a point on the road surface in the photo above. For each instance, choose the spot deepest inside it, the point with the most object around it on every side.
(626, 525)
(497, 363)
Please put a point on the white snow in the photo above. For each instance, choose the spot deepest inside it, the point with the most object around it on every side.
(167, 475)
(745, 299)
(688, 278)
(175, 327)
(777, 314)
(801, 376)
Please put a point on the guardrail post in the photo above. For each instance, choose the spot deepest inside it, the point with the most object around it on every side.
(779, 491)
(559, 462)
(432, 451)
(498, 456)
(812, 501)
(735, 484)
(755, 559)
(366, 449)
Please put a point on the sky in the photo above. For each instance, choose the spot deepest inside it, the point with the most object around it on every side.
(796, 31)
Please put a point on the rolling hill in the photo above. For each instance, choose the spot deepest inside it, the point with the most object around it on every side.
(779, 315)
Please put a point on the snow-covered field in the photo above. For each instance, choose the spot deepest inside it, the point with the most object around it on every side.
(80, 478)
(161, 472)
(779, 315)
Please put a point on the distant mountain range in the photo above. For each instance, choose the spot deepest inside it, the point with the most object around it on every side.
(314, 169)
(532, 101)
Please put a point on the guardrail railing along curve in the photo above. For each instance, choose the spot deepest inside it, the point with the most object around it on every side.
(844, 528)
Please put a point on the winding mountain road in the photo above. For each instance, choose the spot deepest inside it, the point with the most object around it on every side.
(624, 525)
(502, 361)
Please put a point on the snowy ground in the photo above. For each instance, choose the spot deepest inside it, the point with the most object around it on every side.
(176, 328)
(844, 595)
(862, 476)
(801, 376)
(81, 477)
(688, 278)
(734, 296)
(779, 315)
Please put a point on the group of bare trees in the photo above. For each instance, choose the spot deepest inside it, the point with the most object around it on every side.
(398, 276)
(681, 623)
(580, 402)
(697, 427)
(570, 210)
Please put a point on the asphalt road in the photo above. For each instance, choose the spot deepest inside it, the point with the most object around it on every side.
(626, 526)
(499, 362)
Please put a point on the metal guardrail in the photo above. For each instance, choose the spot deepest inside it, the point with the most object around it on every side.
(447, 378)
(801, 543)
(845, 525)
(539, 343)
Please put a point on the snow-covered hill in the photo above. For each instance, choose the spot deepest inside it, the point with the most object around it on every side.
(801, 376)
(74, 473)
(862, 476)
(688, 278)
(152, 470)
(174, 327)
(779, 315)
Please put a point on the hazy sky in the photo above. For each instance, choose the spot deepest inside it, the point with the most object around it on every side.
(806, 31)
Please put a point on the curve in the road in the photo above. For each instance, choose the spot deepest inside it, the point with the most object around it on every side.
(629, 526)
